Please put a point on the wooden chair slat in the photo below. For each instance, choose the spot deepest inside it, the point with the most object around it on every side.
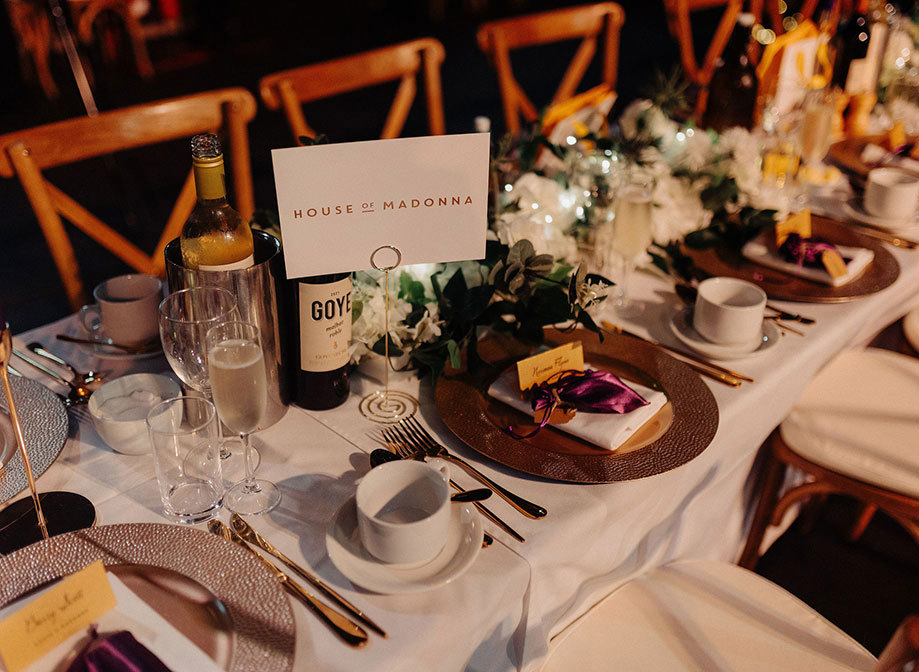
(23, 154)
(289, 89)
(498, 38)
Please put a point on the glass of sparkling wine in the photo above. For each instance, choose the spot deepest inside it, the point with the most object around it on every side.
(817, 126)
(185, 317)
(240, 388)
(631, 233)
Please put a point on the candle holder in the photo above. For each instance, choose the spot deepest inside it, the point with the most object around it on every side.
(387, 406)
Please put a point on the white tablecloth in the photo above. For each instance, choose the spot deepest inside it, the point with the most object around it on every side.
(501, 614)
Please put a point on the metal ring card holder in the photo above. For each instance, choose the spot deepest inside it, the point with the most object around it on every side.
(387, 406)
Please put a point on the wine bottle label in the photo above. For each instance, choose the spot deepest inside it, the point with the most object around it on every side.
(235, 266)
(325, 325)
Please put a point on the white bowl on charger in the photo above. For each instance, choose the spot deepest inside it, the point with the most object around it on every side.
(119, 409)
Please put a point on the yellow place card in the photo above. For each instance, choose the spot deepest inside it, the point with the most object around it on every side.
(539, 368)
(833, 263)
(799, 223)
(61, 612)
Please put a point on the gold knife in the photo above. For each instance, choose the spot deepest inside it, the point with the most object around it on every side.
(244, 530)
(676, 351)
(352, 634)
(892, 238)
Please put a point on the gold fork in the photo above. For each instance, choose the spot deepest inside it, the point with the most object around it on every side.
(407, 452)
(421, 438)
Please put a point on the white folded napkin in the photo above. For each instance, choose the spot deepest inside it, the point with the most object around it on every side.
(606, 430)
(759, 251)
(874, 154)
(176, 652)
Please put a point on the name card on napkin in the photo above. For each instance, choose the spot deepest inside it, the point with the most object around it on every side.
(69, 607)
(539, 368)
(338, 203)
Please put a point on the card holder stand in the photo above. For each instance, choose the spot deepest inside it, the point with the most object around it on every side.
(387, 406)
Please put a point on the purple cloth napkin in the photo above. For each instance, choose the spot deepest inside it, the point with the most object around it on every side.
(590, 391)
(116, 652)
(804, 251)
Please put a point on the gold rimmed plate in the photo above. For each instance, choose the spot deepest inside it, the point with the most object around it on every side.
(679, 432)
(216, 593)
(880, 273)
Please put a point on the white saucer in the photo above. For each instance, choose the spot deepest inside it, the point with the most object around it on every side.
(854, 209)
(343, 543)
(106, 351)
(911, 328)
(681, 326)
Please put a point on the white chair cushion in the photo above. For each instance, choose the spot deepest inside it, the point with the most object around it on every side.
(706, 616)
(860, 417)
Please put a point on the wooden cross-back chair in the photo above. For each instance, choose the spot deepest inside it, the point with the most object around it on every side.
(498, 38)
(679, 14)
(776, 18)
(289, 89)
(24, 154)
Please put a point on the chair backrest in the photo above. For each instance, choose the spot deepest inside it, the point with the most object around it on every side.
(24, 154)
(902, 652)
(775, 12)
(289, 89)
(679, 13)
(498, 38)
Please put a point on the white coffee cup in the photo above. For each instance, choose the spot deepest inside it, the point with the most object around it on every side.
(891, 193)
(403, 510)
(730, 312)
(126, 309)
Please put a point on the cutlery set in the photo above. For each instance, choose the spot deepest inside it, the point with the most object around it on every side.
(241, 533)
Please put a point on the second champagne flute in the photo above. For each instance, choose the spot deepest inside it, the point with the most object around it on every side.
(240, 389)
(631, 233)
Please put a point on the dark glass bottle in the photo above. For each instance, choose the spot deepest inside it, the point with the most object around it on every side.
(850, 44)
(732, 91)
(320, 365)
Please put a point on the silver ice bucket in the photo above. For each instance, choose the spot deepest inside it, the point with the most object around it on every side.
(259, 292)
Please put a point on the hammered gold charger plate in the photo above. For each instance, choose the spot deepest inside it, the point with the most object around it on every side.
(847, 153)
(215, 593)
(679, 432)
(880, 273)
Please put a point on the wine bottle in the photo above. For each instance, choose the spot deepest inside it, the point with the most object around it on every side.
(859, 44)
(215, 237)
(732, 91)
(321, 356)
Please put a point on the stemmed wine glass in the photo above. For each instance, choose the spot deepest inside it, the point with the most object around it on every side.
(631, 233)
(185, 317)
(240, 388)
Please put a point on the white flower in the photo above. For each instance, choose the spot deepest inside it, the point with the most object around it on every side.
(428, 327)
(512, 227)
(904, 111)
(370, 326)
(642, 120)
(547, 199)
(677, 209)
(693, 151)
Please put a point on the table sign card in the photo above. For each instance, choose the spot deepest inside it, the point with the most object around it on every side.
(339, 203)
(51, 618)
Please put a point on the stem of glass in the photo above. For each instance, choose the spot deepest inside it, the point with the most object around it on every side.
(251, 485)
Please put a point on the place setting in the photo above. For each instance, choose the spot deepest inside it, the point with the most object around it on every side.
(787, 261)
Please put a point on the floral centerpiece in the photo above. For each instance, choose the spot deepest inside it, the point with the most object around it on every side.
(545, 191)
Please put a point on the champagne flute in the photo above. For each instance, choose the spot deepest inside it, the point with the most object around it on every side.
(816, 131)
(185, 317)
(631, 233)
(240, 388)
